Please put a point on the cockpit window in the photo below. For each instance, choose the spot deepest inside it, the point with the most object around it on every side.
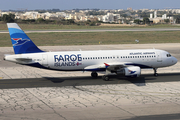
(168, 55)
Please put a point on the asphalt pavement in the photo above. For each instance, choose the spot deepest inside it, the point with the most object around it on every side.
(36, 94)
(99, 30)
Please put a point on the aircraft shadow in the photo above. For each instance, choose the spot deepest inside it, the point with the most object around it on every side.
(140, 81)
(157, 117)
(87, 80)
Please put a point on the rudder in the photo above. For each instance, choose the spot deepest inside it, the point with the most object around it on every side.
(20, 41)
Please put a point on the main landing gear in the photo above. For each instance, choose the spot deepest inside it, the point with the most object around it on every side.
(155, 72)
(94, 74)
(105, 77)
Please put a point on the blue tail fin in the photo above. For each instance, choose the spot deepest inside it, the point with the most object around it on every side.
(20, 41)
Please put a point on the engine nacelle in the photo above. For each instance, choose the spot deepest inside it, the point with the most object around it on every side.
(132, 71)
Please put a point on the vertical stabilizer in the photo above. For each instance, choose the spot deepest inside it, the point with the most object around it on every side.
(20, 41)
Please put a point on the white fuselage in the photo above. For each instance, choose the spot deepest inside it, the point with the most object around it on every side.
(79, 60)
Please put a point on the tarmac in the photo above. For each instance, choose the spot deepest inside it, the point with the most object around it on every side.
(36, 94)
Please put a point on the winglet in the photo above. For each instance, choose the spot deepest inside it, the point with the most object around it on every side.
(20, 41)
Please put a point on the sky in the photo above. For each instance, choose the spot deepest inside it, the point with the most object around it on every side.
(84, 4)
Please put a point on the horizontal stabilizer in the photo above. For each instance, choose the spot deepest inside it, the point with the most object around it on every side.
(24, 59)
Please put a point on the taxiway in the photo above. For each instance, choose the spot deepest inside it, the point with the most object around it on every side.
(32, 93)
(100, 30)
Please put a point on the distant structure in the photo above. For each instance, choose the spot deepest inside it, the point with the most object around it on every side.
(130, 9)
(151, 15)
(160, 19)
(110, 17)
(164, 16)
(155, 14)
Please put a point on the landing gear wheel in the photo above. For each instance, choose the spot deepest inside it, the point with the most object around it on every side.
(105, 77)
(94, 74)
(155, 72)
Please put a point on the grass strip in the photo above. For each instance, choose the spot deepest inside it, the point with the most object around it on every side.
(94, 38)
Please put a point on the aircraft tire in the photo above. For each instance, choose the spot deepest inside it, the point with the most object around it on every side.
(106, 78)
(94, 74)
(155, 74)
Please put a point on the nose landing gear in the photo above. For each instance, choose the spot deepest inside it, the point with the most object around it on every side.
(155, 72)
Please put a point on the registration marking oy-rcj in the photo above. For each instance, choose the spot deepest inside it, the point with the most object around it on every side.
(1, 77)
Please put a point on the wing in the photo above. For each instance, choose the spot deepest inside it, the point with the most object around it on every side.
(111, 67)
(117, 68)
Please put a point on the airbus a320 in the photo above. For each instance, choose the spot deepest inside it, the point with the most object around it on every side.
(126, 62)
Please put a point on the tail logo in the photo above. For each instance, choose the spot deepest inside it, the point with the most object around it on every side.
(19, 41)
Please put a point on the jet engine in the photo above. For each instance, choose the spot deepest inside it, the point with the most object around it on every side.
(130, 71)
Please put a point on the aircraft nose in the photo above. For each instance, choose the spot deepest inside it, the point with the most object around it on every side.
(174, 60)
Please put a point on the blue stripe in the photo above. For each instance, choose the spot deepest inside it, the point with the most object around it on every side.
(96, 69)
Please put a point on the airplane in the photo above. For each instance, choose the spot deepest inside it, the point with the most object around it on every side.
(124, 62)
